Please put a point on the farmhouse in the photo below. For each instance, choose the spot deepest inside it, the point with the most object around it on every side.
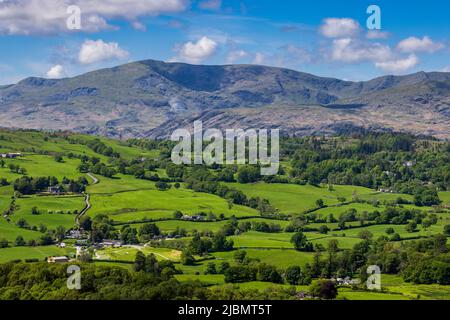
(10, 155)
(192, 218)
(111, 243)
(74, 234)
(55, 190)
(346, 281)
(57, 259)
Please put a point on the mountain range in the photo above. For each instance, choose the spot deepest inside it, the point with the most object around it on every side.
(152, 98)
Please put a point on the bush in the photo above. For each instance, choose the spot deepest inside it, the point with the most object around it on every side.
(323, 289)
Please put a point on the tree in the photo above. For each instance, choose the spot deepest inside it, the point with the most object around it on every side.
(2, 163)
(42, 228)
(139, 261)
(86, 223)
(223, 267)
(46, 240)
(425, 196)
(396, 237)
(151, 265)
(220, 243)
(22, 223)
(365, 235)
(240, 255)
(248, 174)
(187, 259)
(20, 242)
(177, 214)
(241, 273)
(301, 243)
(426, 223)
(85, 256)
(211, 268)
(390, 230)
(293, 275)
(323, 289)
(319, 203)
(268, 273)
(34, 211)
(324, 229)
(148, 231)
(60, 233)
(128, 235)
(447, 230)
(411, 227)
(162, 186)
(4, 243)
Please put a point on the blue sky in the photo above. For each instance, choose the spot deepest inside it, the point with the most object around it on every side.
(325, 37)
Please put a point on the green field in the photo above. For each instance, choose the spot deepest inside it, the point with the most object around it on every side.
(292, 199)
(129, 253)
(10, 231)
(128, 200)
(54, 211)
(144, 202)
(22, 253)
(44, 166)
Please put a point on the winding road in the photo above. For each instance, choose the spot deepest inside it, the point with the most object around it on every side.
(87, 198)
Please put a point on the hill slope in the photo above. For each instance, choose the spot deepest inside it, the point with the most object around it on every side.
(150, 98)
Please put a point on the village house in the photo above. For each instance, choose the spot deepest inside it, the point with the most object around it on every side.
(55, 190)
(346, 281)
(81, 243)
(10, 155)
(192, 218)
(111, 244)
(386, 190)
(57, 259)
(74, 234)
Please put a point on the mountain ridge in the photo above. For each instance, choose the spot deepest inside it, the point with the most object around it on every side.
(145, 98)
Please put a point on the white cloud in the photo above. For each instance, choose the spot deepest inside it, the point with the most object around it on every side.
(259, 58)
(55, 72)
(376, 34)
(139, 26)
(352, 51)
(296, 54)
(413, 44)
(236, 55)
(96, 51)
(210, 4)
(196, 52)
(398, 65)
(339, 28)
(446, 69)
(49, 16)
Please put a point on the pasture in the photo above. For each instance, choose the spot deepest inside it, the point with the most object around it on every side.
(294, 199)
(40, 253)
(53, 211)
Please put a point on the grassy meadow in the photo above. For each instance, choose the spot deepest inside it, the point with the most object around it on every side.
(128, 200)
